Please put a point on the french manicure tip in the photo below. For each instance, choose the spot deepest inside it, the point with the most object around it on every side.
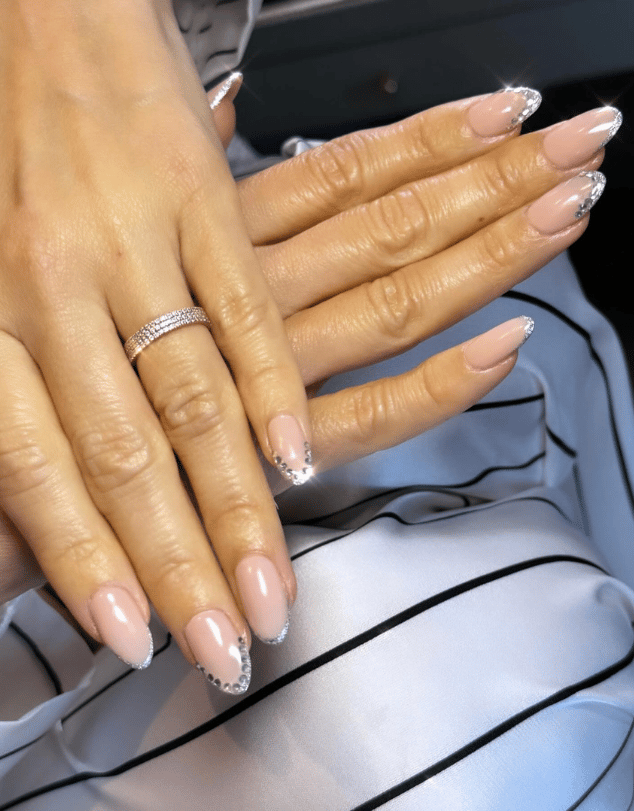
(277, 640)
(616, 125)
(148, 659)
(533, 99)
(225, 87)
(596, 190)
(529, 326)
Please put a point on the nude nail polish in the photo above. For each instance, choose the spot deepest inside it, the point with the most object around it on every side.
(574, 142)
(121, 625)
(221, 654)
(565, 204)
(503, 111)
(490, 349)
(229, 88)
(263, 598)
(291, 451)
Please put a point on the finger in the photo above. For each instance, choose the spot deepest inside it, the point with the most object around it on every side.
(132, 477)
(424, 217)
(390, 314)
(44, 497)
(362, 166)
(221, 98)
(356, 422)
(246, 323)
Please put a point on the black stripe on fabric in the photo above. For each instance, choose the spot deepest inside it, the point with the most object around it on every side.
(426, 521)
(494, 733)
(205, 28)
(441, 488)
(112, 683)
(88, 700)
(571, 452)
(47, 666)
(24, 746)
(308, 667)
(506, 403)
(596, 783)
(514, 294)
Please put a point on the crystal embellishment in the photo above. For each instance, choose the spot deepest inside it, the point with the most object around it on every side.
(294, 476)
(242, 684)
(532, 98)
(598, 184)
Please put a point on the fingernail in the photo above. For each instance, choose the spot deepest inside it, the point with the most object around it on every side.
(574, 142)
(503, 111)
(221, 654)
(566, 203)
(121, 625)
(494, 346)
(229, 88)
(263, 598)
(291, 452)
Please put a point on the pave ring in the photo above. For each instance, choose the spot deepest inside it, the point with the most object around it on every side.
(160, 326)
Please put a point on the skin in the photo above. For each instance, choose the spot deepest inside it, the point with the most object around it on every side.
(395, 292)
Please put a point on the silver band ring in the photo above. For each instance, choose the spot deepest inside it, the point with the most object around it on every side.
(162, 325)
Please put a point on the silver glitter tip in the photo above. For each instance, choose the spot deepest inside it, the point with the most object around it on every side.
(224, 88)
(598, 185)
(148, 659)
(529, 326)
(279, 638)
(533, 99)
(616, 125)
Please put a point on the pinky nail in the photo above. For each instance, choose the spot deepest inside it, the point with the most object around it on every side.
(503, 111)
(121, 625)
(491, 348)
(231, 85)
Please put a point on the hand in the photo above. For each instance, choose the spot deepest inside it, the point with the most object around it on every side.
(380, 239)
(117, 206)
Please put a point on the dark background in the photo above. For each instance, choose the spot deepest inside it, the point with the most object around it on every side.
(318, 68)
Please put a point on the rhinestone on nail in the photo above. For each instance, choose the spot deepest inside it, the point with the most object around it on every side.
(300, 476)
(598, 185)
(533, 99)
(280, 637)
(240, 686)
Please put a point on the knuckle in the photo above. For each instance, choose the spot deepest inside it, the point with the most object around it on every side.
(187, 170)
(372, 407)
(434, 385)
(240, 311)
(82, 553)
(174, 570)
(394, 305)
(498, 250)
(191, 410)
(397, 224)
(114, 455)
(24, 465)
(503, 178)
(336, 172)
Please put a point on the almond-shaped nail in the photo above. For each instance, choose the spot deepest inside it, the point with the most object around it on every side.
(574, 142)
(229, 88)
(121, 625)
(263, 598)
(503, 111)
(291, 451)
(491, 348)
(565, 204)
(221, 654)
